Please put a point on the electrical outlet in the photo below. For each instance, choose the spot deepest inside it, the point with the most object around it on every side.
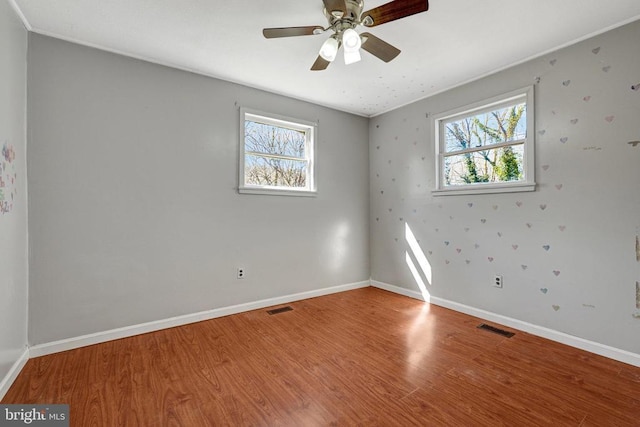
(497, 281)
(241, 273)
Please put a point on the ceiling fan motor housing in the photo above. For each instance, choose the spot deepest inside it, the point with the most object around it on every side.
(340, 21)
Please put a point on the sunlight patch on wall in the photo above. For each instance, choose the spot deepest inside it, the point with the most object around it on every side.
(338, 246)
(418, 278)
(423, 263)
(418, 253)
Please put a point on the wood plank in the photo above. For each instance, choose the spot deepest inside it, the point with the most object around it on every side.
(362, 357)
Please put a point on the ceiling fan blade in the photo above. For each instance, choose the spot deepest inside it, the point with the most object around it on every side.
(378, 47)
(320, 64)
(272, 33)
(391, 11)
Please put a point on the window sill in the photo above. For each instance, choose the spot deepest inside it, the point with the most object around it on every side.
(485, 189)
(277, 192)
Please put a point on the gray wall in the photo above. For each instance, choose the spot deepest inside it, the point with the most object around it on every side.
(134, 214)
(13, 189)
(586, 207)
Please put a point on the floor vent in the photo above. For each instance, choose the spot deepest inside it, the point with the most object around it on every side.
(279, 310)
(496, 330)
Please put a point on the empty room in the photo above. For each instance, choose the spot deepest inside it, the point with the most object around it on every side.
(320, 213)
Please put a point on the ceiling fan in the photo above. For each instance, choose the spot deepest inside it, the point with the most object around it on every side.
(344, 17)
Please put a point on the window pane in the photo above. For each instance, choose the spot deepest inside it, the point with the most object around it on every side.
(270, 171)
(492, 165)
(275, 140)
(501, 125)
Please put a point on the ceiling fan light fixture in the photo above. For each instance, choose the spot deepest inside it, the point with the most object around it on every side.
(351, 40)
(329, 49)
(352, 57)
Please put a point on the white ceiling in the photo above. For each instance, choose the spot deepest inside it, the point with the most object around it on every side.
(454, 42)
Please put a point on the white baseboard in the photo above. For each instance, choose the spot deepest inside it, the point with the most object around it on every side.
(398, 290)
(11, 376)
(143, 328)
(553, 335)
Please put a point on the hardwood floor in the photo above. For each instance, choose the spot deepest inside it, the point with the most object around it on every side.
(365, 357)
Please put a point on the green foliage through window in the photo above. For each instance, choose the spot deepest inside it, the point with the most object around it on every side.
(485, 147)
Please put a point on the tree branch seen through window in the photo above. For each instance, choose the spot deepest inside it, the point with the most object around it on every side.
(486, 147)
(276, 154)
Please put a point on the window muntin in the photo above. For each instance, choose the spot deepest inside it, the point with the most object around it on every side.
(276, 154)
(486, 147)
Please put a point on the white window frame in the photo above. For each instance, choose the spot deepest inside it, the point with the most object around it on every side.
(311, 132)
(527, 184)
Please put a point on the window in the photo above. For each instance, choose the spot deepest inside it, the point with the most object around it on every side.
(276, 154)
(486, 147)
